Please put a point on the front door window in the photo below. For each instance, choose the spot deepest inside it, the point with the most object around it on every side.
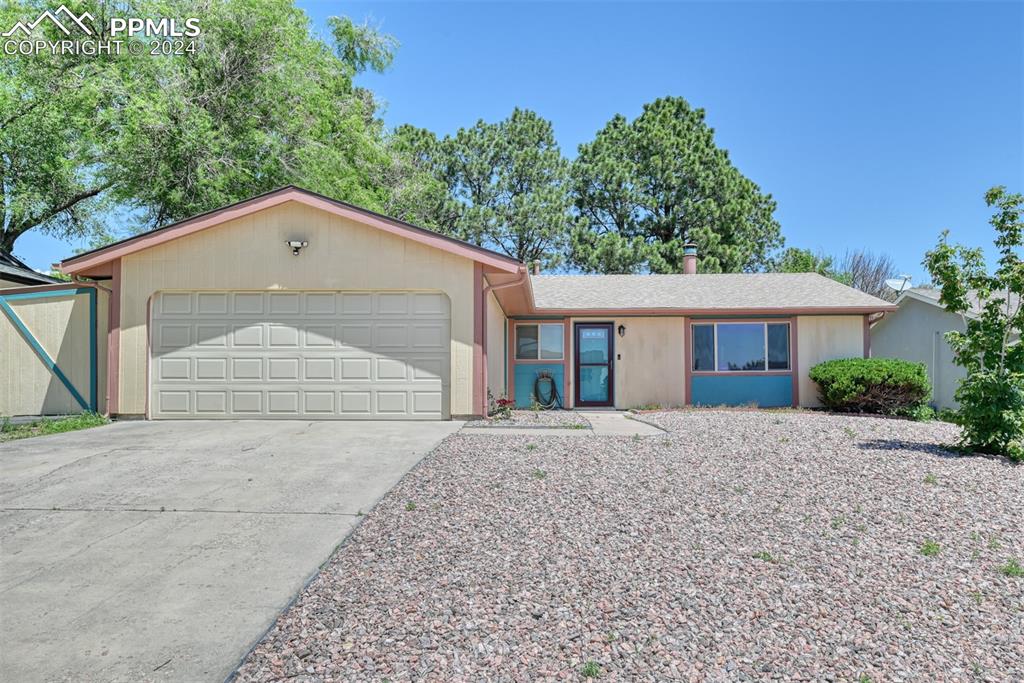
(594, 369)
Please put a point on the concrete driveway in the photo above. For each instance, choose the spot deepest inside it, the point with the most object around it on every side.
(162, 550)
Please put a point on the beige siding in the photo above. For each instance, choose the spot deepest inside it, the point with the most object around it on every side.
(649, 363)
(250, 253)
(61, 326)
(825, 337)
(917, 332)
(495, 348)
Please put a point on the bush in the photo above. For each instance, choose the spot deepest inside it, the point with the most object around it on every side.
(886, 386)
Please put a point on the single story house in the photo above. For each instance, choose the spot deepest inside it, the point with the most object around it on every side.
(14, 273)
(295, 305)
(916, 331)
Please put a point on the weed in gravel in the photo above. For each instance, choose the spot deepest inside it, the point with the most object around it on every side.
(864, 678)
(531, 446)
(666, 443)
(929, 548)
(765, 556)
(994, 544)
(849, 432)
(636, 438)
(1013, 569)
(539, 474)
(931, 479)
(977, 597)
(591, 669)
(410, 506)
(576, 425)
(838, 522)
(739, 489)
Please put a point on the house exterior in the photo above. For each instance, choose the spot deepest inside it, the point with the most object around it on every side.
(14, 273)
(294, 305)
(916, 331)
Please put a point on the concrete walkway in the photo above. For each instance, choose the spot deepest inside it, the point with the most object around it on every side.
(602, 423)
(161, 551)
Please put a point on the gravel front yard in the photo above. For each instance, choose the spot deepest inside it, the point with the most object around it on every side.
(538, 418)
(742, 546)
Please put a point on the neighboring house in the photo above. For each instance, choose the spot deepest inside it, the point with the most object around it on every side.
(917, 332)
(294, 305)
(14, 273)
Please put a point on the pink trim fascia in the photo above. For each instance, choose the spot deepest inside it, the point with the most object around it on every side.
(479, 350)
(683, 312)
(794, 360)
(114, 342)
(89, 260)
(484, 293)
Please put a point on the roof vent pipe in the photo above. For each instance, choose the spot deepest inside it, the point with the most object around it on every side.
(689, 258)
(536, 267)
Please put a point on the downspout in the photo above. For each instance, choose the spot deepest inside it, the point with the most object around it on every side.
(483, 315)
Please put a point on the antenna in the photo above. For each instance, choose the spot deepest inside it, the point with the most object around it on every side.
(898, 283)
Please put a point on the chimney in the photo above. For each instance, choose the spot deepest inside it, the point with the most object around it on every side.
(689, 258)
(536, 267)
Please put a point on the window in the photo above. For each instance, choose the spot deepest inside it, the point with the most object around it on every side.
(740, 347)
(539, 342)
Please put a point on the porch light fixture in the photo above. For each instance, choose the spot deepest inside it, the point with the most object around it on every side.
(296, 246)
(622, 330)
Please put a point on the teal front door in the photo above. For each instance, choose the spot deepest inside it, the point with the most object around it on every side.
(595, 368)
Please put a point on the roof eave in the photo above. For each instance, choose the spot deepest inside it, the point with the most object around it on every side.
(88, 260)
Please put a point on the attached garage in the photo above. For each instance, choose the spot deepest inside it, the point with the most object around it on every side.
(292, 305)
(313, 354)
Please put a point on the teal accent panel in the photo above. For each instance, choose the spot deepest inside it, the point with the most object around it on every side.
(526, 375)
(766, 391)
(41, 352)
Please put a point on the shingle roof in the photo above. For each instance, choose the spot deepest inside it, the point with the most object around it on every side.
(17, 271)
(696, 292)
(932, 296)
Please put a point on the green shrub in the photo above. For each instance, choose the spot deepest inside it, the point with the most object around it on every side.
(886, 386)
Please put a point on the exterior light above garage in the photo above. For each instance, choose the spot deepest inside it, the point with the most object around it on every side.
(296, 246)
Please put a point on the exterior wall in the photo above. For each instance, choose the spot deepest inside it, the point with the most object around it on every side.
(496, 382)
(821, 338)
(916, 333)
(649, 361)
(250, 253)
(60, 324)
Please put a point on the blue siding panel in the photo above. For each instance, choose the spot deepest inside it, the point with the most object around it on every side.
(767, 391)
(526, 375)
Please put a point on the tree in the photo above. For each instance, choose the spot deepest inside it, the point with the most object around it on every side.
(647, 187)
(262, 103)
(796, 260)
(507, 185)
(991, 396)
(867, 271)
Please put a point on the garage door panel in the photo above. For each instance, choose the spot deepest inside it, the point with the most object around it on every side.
(287, 355)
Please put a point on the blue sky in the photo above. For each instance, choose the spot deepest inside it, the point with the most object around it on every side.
(873, 124)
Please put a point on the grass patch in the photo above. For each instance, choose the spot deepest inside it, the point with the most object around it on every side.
(410, 506)
(590, 669)
(1012, 569)
(11, 432)
(931, 479)
(765, 556)
(929, 549)
(531, 446)
(539, 474)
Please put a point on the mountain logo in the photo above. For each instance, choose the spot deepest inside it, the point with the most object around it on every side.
(69, 19)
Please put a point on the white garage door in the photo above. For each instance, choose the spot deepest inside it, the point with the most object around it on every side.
(314, 355)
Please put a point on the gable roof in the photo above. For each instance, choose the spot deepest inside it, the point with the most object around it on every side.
(290, 193)
(746, 292)
(14, 270)
(930, 295)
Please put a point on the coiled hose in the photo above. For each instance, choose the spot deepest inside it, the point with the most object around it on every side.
(553, 400)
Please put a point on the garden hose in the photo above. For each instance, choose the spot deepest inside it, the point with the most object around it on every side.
(553, 400)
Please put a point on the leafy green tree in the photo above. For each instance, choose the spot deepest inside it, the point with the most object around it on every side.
(508, 185)
(797, 260)
(262, 103)
(647, 187)
(991, 396)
